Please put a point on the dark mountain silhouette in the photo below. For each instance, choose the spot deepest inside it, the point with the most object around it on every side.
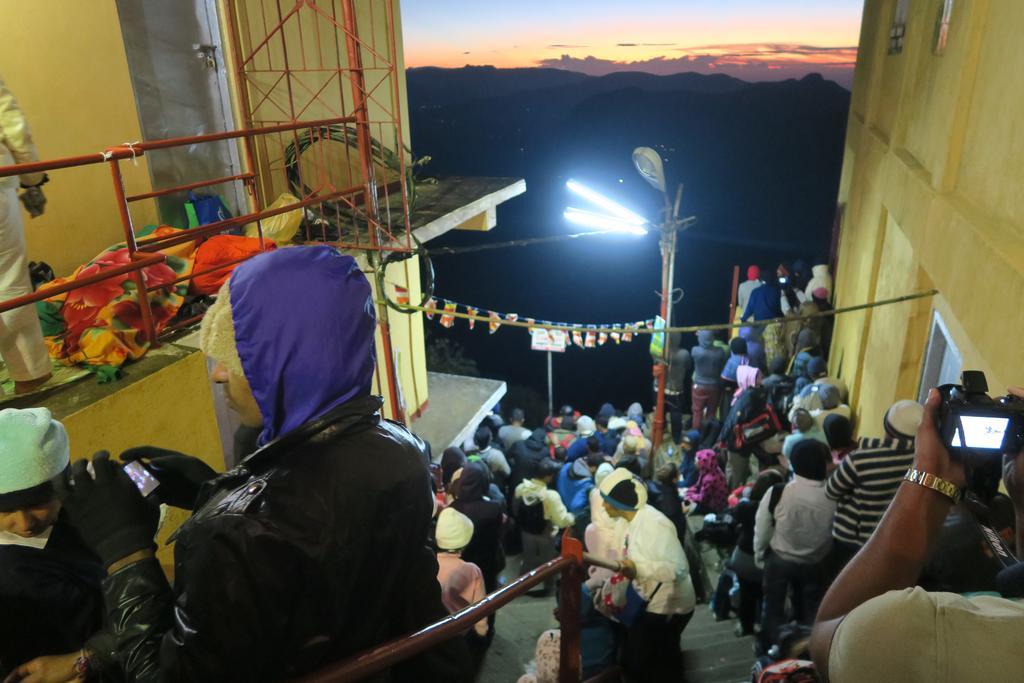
(760, 163)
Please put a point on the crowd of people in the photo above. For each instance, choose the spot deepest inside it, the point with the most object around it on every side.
(339, 531)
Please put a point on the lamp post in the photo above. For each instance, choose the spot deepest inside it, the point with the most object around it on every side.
(620, 219)
(649, 165)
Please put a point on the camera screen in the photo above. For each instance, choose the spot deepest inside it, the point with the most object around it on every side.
(145, 481)
(981, 432)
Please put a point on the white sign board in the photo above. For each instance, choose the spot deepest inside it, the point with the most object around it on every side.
(548, 340)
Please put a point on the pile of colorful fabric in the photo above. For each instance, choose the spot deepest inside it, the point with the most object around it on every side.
(100, 326)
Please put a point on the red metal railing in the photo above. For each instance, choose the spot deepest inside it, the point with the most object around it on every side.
(569, 565)
(145, 252)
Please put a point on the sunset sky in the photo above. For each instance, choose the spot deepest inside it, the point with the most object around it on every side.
(750, 39)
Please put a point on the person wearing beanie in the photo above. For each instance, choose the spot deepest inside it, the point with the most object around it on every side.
(708, 363)
(867, 479)
(462, 583)
(491, 456)
(586, 429)
(743, 292)
(654, 561)
(51, 595)
(737, 357)
(795, 523)
(320, 536)
(540, 514)
(711, 492)
(839, 433)
(804, 427)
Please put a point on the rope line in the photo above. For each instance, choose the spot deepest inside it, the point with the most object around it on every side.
(632, 327)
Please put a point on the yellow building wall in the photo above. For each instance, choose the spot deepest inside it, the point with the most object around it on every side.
(65, 63)
(932, 184)
(171, 408)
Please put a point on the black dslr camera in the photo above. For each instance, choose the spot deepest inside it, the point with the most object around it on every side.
(977, 429)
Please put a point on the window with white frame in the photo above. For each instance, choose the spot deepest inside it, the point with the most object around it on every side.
(942, 361)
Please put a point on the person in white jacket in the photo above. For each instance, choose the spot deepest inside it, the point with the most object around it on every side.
(654, 560)
(21, 339)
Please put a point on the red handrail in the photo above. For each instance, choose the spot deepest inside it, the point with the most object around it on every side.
(569, 564)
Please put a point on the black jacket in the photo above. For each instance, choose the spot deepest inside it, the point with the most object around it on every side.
(313, 549)
(51, 602)
(524, 458)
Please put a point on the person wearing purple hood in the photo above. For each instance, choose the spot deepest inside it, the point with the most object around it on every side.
(315, 547)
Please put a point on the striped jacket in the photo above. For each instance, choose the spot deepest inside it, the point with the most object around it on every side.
(864, 484)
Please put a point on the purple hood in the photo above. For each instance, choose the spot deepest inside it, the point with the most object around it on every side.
(304, 328)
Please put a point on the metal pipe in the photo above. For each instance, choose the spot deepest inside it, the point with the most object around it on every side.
(141, 296)
(735, 293)
(190, 186)
(450, 627)
(569, 653)
(140, 260)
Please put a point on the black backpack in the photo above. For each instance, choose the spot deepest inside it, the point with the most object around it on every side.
(530, 516)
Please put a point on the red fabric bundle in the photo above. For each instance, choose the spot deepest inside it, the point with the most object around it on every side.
(219, 250)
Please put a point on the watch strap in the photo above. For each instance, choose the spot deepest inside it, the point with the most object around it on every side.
(930, 481)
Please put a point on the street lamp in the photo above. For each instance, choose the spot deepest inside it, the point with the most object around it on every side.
(649, 165)
(617, 219)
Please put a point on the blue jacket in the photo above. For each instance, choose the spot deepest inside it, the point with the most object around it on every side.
(575, 490)
(764, 303)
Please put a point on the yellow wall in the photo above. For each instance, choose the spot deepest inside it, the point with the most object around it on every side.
(171, 408)
(65, 63)
(932, 185)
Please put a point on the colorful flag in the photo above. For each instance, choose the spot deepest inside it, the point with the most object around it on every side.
(472, 311)
(431, 308)
(627, 335)
(494, 323)
(401, 296)
(616, 335)
(447, 320)
(530, 322)
(577, 337)
(512, 317)
(602, 337)
(591, 337)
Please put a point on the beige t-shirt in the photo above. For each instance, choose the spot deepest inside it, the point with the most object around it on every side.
(913, 635)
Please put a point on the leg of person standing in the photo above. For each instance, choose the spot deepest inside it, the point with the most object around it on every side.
(652, 648)
(737, 469)
(775, 587)
(21, 338)
(699, 402)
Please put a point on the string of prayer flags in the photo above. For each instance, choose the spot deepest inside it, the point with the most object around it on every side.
(447, 320)
(494, 323)
(472, 311)
(401, 295)
(602, 337)
(627, 335)
(616, 336)
(577, 338)
(512, 317)
(591, 337)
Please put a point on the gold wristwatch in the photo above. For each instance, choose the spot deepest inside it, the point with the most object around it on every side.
(929, 480)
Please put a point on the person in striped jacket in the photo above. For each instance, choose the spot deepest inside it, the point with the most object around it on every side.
(866, 480)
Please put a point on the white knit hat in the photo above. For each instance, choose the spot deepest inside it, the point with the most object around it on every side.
(903, 419)
(585, 426)
(454, 530)
(624, 490)
(217, 333)
(33, 449)
(603, 470)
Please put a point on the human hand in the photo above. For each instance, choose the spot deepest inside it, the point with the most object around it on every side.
(108, 511)
(1013, 468)
(930, 454)
(658, 370)
(180, 475)
(627, 568)
(34, 201)
(51, 669)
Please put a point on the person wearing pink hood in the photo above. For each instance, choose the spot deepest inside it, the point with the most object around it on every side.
(710, 493)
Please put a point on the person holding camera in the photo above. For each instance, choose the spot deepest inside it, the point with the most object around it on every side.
(874, 624)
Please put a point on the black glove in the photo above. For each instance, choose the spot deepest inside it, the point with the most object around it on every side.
(180, 475)
(108, 511)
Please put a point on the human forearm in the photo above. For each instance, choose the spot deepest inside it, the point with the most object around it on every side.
(894, 555)
(139, 604)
